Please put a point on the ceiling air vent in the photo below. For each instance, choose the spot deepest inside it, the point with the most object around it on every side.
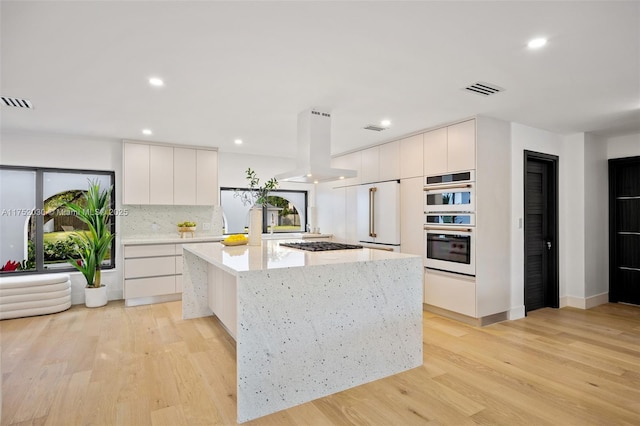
(374, 128)
(16, 102)
(484, 89)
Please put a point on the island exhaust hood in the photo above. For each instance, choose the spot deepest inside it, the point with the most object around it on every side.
(313, 163)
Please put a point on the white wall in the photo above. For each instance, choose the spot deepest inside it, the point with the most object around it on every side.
(531, 139)
(572, 220)
(623, 146)
(583, 217)
(70, 152)
(596, 220)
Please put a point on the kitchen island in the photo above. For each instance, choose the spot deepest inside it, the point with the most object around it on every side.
(307, 324)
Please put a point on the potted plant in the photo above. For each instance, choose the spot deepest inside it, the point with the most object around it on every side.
(257, 197)
(95, 243)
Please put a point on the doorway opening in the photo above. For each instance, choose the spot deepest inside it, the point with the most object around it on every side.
(541, 287)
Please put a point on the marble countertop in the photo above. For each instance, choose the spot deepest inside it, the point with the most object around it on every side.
(174, 238)
(271, 255)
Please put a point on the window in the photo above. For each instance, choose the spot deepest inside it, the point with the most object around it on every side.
(35, 224)
(286, 211)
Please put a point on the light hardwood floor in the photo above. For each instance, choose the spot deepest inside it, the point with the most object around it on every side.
(146, 366)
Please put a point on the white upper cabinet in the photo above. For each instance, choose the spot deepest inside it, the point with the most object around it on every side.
(389, 161)
(435, 152)
(461, 146)
(160, 174)
(166, 175)
(411, 157)
(370, 165)
(381, 163)
(184, 176)
(450, 149)
(206, 178)
(135, 173)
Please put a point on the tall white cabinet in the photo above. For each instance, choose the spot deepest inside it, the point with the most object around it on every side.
(161, 174)
(485, 297)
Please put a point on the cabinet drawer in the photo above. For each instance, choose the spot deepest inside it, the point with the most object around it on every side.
(149, 267)
(144, 287)
(149, 250)
(178, 264)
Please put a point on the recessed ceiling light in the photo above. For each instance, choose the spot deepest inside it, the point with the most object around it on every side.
(315, 181)
(341, 177)
(147, 132)
(537, 43)
(309, 175)
(155, 81)
(238, 141)
(385, 123)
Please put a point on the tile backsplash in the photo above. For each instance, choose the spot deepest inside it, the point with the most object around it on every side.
(142, 220)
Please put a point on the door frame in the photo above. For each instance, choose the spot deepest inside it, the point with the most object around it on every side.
(552, 210)
(613, 260)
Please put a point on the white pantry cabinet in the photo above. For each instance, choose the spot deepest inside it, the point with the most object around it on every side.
(159, 174)
(450, 149)
(412, 216)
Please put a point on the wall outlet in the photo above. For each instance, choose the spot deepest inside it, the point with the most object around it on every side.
(206, 227)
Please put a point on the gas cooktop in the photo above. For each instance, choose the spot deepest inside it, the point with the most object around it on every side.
(321, 246)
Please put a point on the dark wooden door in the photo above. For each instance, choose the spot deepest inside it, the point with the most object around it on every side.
(540, 231)
(624, 230)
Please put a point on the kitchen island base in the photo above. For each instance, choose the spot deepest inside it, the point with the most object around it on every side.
(307, 332)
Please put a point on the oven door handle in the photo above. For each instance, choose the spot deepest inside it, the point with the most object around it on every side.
(446, 228)
(451, 186)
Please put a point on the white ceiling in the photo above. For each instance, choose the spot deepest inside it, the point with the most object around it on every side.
(245, 69)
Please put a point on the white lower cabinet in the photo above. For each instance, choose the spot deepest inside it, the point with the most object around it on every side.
(456, 293)
(146, 287)
(152, 270)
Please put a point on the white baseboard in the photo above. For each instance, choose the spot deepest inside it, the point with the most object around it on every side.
(584, 303)
(516, 313)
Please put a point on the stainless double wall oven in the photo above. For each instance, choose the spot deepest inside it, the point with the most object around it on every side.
(450, 222)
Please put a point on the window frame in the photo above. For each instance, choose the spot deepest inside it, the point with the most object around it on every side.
(265, 220)
(39, 206)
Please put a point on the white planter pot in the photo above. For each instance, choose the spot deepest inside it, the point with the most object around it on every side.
(255, 226)
(95, 297)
